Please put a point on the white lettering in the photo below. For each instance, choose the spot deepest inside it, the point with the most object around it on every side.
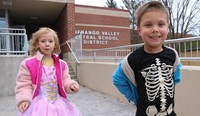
(95, 42)
(107, 38)
(98, 37)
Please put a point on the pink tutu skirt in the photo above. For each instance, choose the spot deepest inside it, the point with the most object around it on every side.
(59, 107)
(48, 102)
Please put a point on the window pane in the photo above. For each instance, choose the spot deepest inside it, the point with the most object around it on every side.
(2, 23)
(2, 13)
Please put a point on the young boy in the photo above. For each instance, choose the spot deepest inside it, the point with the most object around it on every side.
(148, 75)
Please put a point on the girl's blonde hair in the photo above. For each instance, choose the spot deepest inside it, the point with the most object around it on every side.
(152, 5)
(35, 39)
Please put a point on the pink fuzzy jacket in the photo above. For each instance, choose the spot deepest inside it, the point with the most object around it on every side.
(29, 77)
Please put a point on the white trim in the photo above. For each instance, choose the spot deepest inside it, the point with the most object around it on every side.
(105, 26)
(106, 12)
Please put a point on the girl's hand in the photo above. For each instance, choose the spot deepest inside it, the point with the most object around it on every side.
(74, 87)
(23, 106)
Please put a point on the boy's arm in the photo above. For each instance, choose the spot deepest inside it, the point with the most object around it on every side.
(124, 85)
(177, 73)
(177, 69)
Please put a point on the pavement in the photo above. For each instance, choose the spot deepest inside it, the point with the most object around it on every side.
(89, 102)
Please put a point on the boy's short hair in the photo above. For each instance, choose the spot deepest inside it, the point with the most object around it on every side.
(151, 5)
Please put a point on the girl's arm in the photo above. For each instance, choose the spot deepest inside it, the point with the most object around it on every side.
(124, 85)
(23, 89)
(23, 106)
(70, 86)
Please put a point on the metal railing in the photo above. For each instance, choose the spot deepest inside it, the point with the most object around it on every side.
(13, 42)
(72, 52)
(187, 48)
(72, 59)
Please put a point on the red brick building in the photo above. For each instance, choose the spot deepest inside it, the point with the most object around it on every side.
(100, 27)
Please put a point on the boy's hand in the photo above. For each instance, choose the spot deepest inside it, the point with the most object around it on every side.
(23, 106)
(74, 87)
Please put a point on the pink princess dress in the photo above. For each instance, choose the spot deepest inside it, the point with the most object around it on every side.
(48, 102)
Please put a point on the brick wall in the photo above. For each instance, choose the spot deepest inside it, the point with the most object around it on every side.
(65, 25)
(70, 20)
(102, 27)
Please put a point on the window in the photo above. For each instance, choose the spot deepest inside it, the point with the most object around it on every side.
(2, 19)
(2, 13)
(2, 23)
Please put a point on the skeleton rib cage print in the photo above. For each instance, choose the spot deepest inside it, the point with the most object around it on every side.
(158, 82)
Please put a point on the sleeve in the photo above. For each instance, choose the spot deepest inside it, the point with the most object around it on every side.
(177, 71)
(67, 81)
(124, 85)
(23, 89)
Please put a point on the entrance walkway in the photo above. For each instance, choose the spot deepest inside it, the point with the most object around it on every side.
(90, 103)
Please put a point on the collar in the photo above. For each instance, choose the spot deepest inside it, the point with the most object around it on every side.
(39, 56)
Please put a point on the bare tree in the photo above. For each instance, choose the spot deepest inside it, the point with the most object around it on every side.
(132, 5)
(184, 17)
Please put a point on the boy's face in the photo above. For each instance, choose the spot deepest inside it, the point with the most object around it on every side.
(153, 30)
(46, 44)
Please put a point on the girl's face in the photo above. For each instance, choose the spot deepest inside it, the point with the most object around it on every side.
(46, 44)
(153, 30)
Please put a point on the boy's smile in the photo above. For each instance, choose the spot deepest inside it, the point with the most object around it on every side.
(153, 29)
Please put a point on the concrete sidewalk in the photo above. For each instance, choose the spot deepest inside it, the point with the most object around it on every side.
(90, 103)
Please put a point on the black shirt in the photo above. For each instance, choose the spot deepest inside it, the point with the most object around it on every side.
(155, 81)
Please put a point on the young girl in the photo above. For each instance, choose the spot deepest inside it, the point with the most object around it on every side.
(43, 80)
(148, 75)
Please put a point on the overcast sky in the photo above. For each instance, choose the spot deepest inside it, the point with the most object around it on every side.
(101, 3)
